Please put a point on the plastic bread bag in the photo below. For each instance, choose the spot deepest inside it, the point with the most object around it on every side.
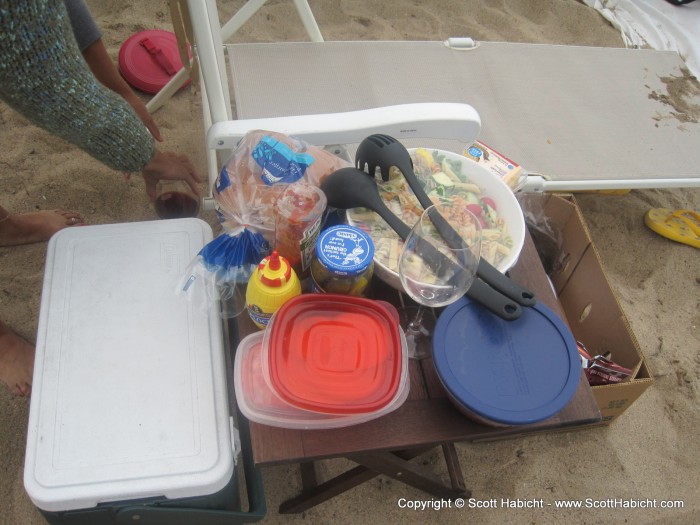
(250, 181)
(262, 167)
(219, 273)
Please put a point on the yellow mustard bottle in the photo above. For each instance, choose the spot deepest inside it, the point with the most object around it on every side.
(272, 284)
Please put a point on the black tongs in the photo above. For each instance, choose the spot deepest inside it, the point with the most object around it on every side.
(384, 152)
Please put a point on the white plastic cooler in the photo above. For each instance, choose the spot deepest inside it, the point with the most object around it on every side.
(129, 396)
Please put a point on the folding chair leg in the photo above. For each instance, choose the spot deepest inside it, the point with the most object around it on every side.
(307, 18)
(167, 91)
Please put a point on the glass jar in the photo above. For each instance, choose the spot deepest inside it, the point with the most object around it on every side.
(344, 261)
(298, 217)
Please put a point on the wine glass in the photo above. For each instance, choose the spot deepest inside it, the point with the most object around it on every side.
(436, 271)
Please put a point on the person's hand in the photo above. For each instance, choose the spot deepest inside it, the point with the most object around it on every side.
(169, 166)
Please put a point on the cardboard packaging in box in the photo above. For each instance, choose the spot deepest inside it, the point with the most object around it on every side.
(592, 310)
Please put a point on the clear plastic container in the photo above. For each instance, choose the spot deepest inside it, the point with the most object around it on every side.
(259, 403)
(298, 216)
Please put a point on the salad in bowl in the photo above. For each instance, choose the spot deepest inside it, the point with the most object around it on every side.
(459, 184)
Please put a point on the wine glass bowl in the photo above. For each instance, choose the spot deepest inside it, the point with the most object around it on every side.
(435, 270)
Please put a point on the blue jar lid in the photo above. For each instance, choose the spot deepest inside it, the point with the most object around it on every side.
(510, 372)
(345, 250)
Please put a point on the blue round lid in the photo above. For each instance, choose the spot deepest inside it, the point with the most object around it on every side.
(510, 372)
(344, 249)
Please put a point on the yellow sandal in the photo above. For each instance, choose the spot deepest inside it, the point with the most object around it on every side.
(679, 225)
(691, 218)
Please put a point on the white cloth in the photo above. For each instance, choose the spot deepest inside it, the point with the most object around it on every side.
(657, 24)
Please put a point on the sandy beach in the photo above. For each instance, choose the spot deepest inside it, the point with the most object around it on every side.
(650, 453)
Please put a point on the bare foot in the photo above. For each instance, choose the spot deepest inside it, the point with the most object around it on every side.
(27, 228)
(16, 362)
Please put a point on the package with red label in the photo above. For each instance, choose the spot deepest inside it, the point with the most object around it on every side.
(600, 370)
(504, 168)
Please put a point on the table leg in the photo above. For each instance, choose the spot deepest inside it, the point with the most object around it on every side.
(408, 473)
(393, 464)
(312, 495)
(309, 476)
(454, 469)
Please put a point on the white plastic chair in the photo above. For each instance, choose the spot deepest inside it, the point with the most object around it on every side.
(437, 120)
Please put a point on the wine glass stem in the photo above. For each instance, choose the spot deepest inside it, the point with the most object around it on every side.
(415, 325)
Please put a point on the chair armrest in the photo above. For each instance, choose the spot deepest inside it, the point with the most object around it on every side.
(439, 120)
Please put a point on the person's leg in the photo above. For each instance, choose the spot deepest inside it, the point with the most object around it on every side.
(33, 227)
(16, 361)
(16, 354)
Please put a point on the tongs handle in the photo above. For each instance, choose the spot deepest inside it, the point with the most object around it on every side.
(486, 271)
(494, 301)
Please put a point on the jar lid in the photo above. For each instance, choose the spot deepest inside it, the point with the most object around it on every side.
(510, 372)
(344, 249)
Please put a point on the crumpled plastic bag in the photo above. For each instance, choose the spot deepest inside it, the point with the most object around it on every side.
(261, 167)
(548, 239)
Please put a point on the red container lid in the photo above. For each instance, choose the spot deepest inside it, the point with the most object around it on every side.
(149, 59)
(334, 354)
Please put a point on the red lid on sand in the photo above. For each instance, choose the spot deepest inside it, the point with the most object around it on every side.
(149, 59)
(334, 354)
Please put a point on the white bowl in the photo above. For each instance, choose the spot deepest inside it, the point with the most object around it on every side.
(491, 186)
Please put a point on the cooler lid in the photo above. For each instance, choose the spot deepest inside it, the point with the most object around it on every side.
(129, 394)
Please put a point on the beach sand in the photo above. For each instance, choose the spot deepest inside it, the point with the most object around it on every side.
(651, 452)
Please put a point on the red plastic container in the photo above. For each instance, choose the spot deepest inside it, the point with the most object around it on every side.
(334, 354)
(149, 59)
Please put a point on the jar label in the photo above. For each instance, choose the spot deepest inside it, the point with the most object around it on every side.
(308, 244)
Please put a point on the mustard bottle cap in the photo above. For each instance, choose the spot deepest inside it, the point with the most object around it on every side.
(274, 270)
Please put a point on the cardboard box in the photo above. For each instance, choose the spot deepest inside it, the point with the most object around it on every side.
(592, 310)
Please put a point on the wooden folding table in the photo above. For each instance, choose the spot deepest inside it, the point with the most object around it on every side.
(426, 420)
